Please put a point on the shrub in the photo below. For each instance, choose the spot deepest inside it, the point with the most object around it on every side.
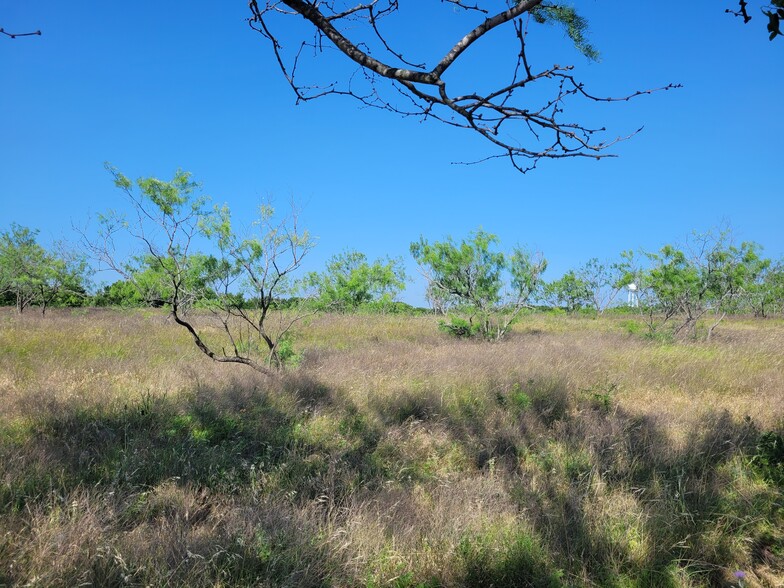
(458, 327)
(769, 457)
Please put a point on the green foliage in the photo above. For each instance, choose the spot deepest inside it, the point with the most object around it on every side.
(468, 272)
(707, 278)
(31, 275)
(601, 396)
(351, 282)
(575, 25)
(458, 327)
(119, 293)
(632, 327)
(241, 281)
(167, 219)
(570, 292)
(468, 279)
(604, 281)
(507, 557)
(286, 353)
(150, 283)
(768, 458)
(763, 292)
(519, 399)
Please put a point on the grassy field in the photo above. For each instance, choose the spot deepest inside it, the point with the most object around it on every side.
(573, 453)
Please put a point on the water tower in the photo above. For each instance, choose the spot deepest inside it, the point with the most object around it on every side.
(633, 299)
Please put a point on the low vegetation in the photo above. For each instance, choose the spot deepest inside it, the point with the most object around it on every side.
(574, 452)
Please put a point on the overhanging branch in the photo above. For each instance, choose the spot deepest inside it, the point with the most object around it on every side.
(517, 117)
(15, 35)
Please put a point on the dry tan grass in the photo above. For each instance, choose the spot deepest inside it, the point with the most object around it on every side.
(393, 455)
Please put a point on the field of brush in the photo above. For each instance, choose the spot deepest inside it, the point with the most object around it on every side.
(573, 453)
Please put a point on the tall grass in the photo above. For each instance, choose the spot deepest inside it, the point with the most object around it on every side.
(571, 454)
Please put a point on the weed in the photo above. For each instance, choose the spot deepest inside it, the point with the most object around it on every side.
(632, 327)
(768, 457)
(600, 396)
(286, 353)
(458, 327)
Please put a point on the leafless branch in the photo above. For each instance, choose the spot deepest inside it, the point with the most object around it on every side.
(508, 116)
(15, 35)
(742, 11)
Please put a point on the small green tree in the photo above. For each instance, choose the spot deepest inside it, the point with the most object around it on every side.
(239, 284)
(350, 281)
(708, 277)
(570, 292)
(21, 262)
(31, 275)
(604, 281)
(483, 288)
(765, 296)
(119, 293)
(149, 284)
(252, 275)
(60, 281)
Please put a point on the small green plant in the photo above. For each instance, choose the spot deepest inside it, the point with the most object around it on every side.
(263, 546)
(632, 327)
(517, 399)
(286, 354)
(665, 337)
(506, 557)
(601, 396)
(769, 457)
(458, 327)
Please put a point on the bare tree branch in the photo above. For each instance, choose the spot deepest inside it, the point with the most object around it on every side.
(15, 35)
(743, 11)
(508, 115)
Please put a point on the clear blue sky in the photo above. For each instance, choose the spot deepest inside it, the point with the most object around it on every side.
(153, 86)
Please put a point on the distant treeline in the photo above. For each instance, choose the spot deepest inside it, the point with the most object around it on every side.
(709, 275)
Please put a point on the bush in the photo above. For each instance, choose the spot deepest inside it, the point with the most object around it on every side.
(769, 457)
(286, 354)
(458, 327)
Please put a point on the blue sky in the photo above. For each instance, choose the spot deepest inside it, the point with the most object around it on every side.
(152, 87)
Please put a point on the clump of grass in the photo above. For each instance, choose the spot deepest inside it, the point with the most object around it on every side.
(768, 457)
(507, 556)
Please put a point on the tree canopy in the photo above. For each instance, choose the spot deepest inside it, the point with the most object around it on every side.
(484, 287)
(32, 275)
(351, 281)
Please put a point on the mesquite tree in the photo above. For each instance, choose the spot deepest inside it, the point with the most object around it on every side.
(604, 281)
(706, 278)
(484, 289)
(33, 275)
(239, 285)
(764, 296)
(350, 281)
(570, 291)
(523, 112)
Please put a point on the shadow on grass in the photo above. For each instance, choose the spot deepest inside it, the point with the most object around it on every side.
(217, 439)
(613, 497)
(217, 485)
(608, 497)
